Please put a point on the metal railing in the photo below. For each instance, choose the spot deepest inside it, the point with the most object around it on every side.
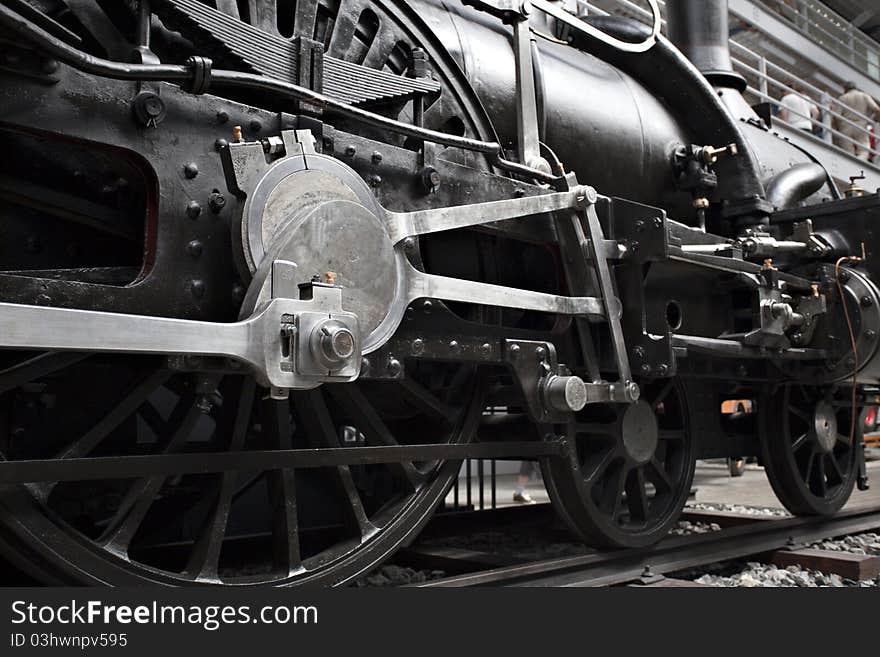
(769, 82)
(831, 31)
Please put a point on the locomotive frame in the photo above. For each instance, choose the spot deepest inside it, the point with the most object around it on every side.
(254, 222)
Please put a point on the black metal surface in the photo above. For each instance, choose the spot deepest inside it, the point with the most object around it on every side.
(117, 201)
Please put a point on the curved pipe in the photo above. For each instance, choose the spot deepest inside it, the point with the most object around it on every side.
(668, 73)
(793, 185)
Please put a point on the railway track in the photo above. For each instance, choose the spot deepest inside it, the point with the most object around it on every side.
(739, 537)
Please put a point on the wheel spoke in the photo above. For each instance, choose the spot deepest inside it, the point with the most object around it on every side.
(636, 495)
(427, 401)
(842, 438)
(818, 478)
(808, 467)
(593, 428)
(205, 555)
(132, 400)
(595, 471)
(322, 431)
(798, 413)
(834, 471)
(36, 367)
(142, 494)
(799, 442)
(282, 489)
(657, 475)
(612, 493)
(376, 431)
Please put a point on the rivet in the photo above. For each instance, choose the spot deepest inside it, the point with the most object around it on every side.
(220, 144)
(427, 306)
(191, 170)
(197, 288)
(376, 157)
(194, 248)
(486, 349)
(540, 353)
(514, 350)
(255, 126)
(394, 367)
(454, 347)
(222, 117)
(350, 150)
(193, 209)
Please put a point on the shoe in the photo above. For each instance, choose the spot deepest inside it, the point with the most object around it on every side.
(523, 498)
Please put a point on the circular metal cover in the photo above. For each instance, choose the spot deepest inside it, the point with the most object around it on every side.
(349, 240)
(291, 187)
(825, 426)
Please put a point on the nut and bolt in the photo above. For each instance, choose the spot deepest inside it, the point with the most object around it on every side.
(454, 347)
(866, 301)
(429, 180)
(541, 354)
(216, 201)
(514, 351)
(350, 150)
(418, 346)
(639, 353)
(565, 393)
(486, 349)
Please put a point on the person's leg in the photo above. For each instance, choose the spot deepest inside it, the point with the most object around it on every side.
(526, 470)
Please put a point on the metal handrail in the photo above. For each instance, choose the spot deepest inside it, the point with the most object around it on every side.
(828, 109)
(817, 20)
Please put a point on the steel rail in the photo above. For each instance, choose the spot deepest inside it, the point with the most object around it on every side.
(672, 555)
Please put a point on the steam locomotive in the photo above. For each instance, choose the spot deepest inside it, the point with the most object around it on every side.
(271, 270)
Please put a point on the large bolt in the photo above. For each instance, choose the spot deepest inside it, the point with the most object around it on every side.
(565, 393)
(333, 344)
(216, 202)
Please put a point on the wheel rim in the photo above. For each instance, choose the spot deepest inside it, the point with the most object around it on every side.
(323, 526)
(625, 484)
(810, 461)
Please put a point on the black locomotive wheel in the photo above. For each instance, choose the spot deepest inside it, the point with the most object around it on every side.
(809, 456)
(630, 469)
(286, 527)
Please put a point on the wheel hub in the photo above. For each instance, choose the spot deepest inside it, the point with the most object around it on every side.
(640, 433)
(824, 426)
